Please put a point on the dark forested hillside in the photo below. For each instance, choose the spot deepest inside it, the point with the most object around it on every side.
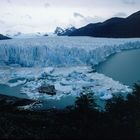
(121, 120)
(2, 37)
(113, 28)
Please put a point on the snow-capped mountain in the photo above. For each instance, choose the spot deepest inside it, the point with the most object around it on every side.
(59, 31)
(64, 32)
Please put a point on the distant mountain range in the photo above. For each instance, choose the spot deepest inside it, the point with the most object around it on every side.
(112, 28)
(2, 37)
(64, 32)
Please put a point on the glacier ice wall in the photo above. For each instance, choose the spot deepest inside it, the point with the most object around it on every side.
(61, 51)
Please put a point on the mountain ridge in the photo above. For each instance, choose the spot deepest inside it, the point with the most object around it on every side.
(2, 37)
(64, 32)
(112, 28)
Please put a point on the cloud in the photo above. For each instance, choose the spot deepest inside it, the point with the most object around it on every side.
(120, 14)
(2, 22)
(94, 19)
(131, 2)
(86, 19)
(7, 14)
(25, 28)
(46, 5)
(78, 15)
(61, 12)
(9, 1)
(80, 20)
(28, 16)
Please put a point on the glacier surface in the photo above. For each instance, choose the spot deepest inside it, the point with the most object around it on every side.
(64, 62)
(61, 51)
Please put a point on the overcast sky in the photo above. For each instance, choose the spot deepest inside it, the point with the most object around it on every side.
(29, 16)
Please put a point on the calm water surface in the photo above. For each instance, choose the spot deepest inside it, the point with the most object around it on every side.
(123, 67)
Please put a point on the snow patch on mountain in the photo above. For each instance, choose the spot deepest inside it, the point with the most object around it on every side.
(64, 32)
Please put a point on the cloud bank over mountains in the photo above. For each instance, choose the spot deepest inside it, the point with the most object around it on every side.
(30, 16)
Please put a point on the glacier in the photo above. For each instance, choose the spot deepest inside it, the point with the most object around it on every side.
(61, 51)
(65, 62)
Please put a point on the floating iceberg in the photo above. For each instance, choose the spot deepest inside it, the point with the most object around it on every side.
(67, 81)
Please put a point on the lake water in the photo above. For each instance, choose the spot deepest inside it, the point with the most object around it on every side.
(12, 91)
(123, 67)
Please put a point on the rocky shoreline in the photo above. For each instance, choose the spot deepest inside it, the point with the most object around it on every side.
(12, 101)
